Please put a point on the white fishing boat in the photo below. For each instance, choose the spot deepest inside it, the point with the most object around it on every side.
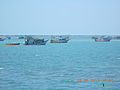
(103, 39)
(59, 39)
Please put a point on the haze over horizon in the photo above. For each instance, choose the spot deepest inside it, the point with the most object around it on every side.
(52, 17)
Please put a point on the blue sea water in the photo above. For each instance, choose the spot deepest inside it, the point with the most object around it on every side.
(58, 66)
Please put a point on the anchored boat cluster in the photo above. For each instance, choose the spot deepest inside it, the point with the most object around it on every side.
(29, 40)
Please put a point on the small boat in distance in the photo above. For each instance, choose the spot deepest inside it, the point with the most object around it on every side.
(59, 39)
(21, 37)
(116, 37)
(2, 39)
(8, 37)
(12, 44)
(35, 41)
(102, 39)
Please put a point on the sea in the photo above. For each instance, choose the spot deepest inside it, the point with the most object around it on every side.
(60, 66)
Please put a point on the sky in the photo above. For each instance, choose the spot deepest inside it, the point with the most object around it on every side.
(60, 17)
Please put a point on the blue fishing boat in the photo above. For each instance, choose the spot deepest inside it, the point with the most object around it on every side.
(2, 39)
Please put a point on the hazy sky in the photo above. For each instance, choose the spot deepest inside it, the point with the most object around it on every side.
(60, 17)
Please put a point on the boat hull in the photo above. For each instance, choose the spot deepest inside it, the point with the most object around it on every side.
(13, 44)
(58, 41)
(1, 39)
(102, 40)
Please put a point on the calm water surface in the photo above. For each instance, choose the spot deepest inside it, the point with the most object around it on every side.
(57, 66)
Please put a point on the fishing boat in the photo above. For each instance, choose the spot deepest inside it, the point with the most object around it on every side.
(12, 44)
(59, 39)
(8, 37)
(116, 37)
(94, 37)
(28, 37)
(2, 39)
(103, 39)
(35, 41)
(21, 37)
